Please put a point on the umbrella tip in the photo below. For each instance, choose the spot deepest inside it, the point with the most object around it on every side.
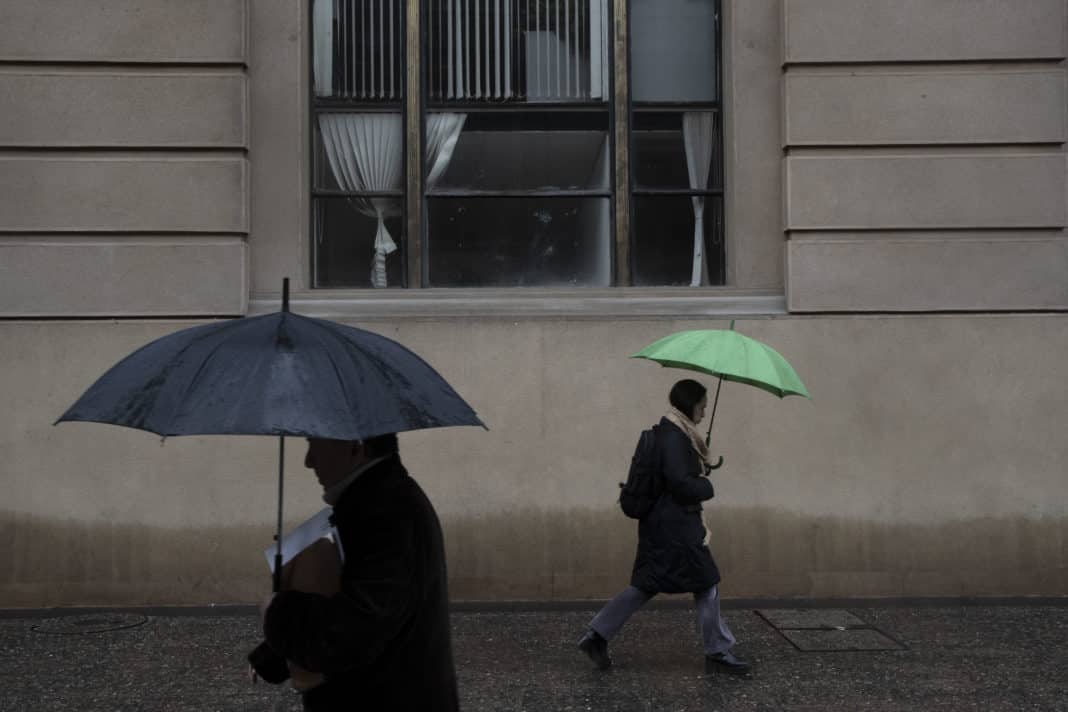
(285, 294)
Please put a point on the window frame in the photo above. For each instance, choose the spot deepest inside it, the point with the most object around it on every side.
(318, 105)
(622, 188)
(426, 107)
(661, 107)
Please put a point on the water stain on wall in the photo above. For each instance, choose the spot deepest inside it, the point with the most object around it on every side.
(530, 554)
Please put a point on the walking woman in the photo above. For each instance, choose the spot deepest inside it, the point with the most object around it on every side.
(672, 556)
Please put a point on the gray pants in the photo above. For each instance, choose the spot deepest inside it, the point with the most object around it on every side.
(716, 637)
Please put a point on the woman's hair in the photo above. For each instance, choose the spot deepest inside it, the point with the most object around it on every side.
(685, 395)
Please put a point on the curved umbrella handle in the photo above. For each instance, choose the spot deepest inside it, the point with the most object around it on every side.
(719, 464)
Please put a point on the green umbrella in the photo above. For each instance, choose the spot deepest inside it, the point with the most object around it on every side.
(730, 356)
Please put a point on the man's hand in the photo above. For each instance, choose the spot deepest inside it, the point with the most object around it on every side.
(265, 604)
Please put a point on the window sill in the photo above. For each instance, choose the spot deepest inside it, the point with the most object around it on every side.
(619, 303)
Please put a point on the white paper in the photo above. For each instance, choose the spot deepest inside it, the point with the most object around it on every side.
(306, 534)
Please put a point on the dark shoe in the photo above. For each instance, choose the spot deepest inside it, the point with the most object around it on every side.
(596, 648)
(726, 662)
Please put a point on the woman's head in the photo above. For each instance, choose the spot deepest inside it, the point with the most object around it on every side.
(687, 395)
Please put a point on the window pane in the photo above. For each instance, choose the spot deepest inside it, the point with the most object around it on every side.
(664, 153)
(358, 49)
(663, 240)
(344, 241)
(673, 50)
(517, 152)
(519, 242)
(517, 50)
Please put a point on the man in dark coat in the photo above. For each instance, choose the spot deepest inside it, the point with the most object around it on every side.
(672, 556)
(383, 642)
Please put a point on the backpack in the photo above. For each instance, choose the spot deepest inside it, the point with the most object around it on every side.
(639, 493)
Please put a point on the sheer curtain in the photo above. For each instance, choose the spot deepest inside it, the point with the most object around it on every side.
(698, 133)
(442, 133)
(365, 155)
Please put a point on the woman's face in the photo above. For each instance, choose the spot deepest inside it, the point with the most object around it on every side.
(699, 410)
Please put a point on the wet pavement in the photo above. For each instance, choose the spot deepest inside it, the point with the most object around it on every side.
(905, 657)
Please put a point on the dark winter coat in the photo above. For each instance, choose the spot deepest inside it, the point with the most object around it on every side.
(672, 557)
(383, 643)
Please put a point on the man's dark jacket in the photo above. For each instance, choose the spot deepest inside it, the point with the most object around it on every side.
(383, 643)
(672, 556)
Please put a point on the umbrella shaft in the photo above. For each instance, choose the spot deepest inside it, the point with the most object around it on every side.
(277, 579)
(712, 418)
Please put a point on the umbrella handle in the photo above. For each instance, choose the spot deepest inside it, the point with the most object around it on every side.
(719, 464)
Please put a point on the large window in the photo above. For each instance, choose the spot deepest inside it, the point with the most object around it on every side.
(518, 116)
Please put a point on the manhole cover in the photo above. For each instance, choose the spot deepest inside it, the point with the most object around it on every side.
(92, 623)
(830, 618)
(812, 641)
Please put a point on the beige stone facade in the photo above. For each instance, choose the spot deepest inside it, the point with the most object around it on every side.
(896, 201)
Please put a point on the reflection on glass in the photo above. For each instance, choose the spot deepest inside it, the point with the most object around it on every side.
(673, 50)
(516, 152)
(519, 242)
(676, 149)
(517, 50)
(662, 247)
(344, 242)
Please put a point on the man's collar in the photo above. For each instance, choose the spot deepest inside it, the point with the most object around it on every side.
(332, 494)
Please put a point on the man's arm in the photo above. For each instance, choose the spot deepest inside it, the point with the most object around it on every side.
(351, 628)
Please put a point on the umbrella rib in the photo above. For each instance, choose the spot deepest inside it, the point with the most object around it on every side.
(189, 386)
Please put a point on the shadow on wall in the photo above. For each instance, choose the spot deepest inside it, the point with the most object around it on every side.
(536, 555)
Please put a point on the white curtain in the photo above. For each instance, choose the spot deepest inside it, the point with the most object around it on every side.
(365, 154)
(323, 29)
(698, 133)
(442, 133)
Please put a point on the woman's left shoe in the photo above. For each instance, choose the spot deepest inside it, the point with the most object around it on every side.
(726, 662)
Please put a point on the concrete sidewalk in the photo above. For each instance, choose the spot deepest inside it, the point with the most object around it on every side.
(936, 657)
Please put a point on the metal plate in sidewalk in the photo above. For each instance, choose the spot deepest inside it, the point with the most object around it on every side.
(819, 630)
(820, 641)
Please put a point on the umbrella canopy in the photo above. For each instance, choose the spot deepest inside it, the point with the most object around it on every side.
(729, 355)
(277, 374)
(732, 357)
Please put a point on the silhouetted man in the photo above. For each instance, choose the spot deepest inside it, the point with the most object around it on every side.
(382, 642)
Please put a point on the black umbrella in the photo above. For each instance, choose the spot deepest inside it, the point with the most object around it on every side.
(277, 374)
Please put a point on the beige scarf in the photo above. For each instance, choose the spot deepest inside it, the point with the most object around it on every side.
(687, 426)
